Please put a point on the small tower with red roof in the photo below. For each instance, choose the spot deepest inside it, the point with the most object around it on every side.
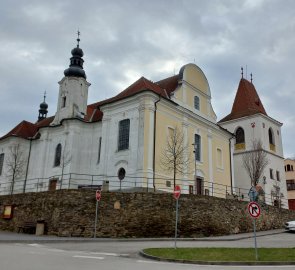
(250, 123)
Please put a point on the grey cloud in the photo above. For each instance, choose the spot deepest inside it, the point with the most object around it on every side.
(125, 39)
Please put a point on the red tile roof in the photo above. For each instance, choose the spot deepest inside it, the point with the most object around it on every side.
(169, 84)
(93, 114)
(45, 122)
(23, 130)
(247, 102)
(140, 85)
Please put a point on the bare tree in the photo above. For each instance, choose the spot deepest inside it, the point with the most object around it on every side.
(65, 160)
(255, 161)
(175, 156)
(15, 164)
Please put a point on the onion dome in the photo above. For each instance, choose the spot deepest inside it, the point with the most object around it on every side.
(76, 62)
(43, 109)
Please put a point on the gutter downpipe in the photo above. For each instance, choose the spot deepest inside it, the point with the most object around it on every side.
(154, 146)
(230, 163)
(27, 169)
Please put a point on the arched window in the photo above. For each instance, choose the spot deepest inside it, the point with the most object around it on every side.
(57, 155)
(270, 137)
(288, 168)
(121, 174)
(240, 136)
(197, 103)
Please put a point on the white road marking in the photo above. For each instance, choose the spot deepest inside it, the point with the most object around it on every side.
(109, 254)
(35, 245)
(88, 257)
(55, 250)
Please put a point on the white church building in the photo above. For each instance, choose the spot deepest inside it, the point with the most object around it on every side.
(117, 143)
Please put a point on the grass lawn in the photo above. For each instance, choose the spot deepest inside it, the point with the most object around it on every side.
(224, 254)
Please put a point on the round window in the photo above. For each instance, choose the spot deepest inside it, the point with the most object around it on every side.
(121, 173)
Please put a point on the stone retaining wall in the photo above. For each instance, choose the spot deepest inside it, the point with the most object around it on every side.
(72, 213)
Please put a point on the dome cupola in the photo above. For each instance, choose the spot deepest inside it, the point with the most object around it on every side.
(43, 109)
(76, 62)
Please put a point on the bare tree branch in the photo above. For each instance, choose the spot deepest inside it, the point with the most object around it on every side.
(175, 156)
(15, 164)
(255, 161)
(65, 160)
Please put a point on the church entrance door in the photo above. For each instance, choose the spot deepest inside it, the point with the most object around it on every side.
(52, 184)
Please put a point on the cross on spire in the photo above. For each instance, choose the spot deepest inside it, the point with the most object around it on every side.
(78, 39)
(44, 95)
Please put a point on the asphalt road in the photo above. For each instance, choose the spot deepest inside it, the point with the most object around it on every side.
(112, 254)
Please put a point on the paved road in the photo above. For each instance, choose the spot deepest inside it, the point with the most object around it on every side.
(55, 253)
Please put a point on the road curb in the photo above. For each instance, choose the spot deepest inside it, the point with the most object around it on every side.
(45, 239)
(143, 254)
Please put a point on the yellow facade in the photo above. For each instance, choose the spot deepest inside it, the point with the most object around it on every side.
(213, 168)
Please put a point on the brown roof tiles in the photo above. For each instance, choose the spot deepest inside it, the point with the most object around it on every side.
(24, 130)
(247, 102)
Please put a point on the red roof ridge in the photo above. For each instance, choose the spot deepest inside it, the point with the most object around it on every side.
(138, 86)
(169, 84)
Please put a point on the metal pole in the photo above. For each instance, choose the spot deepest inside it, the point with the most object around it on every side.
(96, 215)
(176, 221)
(256, 252)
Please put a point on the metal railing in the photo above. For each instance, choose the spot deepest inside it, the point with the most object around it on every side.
(132, 184)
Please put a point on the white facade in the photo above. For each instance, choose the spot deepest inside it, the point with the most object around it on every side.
(256, 127)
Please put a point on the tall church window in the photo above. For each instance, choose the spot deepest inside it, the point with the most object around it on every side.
(63, 102)
(57, 155)
(240, 135)
(197, 103)
(270, 136)
(271, 140)
(240, 139)
(124, 130)
(197, 147)
(1, 162)
(99, 150)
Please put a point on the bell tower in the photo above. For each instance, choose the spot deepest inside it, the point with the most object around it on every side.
(43, 109)
(73, 89)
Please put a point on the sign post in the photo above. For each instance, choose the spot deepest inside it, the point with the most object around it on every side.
(176, 195)
(98, 197)
(254, 211)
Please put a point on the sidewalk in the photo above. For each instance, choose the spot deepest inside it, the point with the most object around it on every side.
(12, 237)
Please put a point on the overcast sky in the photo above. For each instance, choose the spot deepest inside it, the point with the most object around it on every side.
(123, 40)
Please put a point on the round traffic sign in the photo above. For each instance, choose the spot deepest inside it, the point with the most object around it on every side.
(98, 195)
(254, 209)
(176, 192)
